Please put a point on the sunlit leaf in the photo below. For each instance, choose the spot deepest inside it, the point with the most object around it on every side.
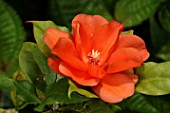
(154, 78)
(39, 30)
(34, 64)
(2, 110)
(57, 93)
(127, 32)
(134, 12)
(26, 92)
(8, 111)
(81, 91)
(11, 38)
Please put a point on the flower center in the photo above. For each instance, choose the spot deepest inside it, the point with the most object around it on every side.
(94, 57)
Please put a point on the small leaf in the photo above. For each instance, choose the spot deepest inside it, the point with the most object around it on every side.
(26, 92)
(84, 92)
(12, 36)
(34, 64)
(57, 93)
(39, 30)
(6, 83)
(134, 12)
(154, 78)
(127, 32)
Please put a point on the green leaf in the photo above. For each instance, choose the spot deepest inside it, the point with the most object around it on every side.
(139, 103)
(127, 32)
(154, 78)
(2, 110)
(134, 12)
(91, 106)
(161, 103)
(6, 83)
(159, 37)
(34, 64)
(8, 111)
(57, 93)
(60, 9)
(164, 16)
(84, 92)
(26, 91)
(98, 106)
(164, 52)
(5, 100)
(39, 30)
(11, 38)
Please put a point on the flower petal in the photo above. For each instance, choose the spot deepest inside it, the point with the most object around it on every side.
(54, 64)
(81, 77)
(124, 59)
(130, 40)
(134, 78)
(114, 88)
(96, 71)
(65, 50)
(52, 35)
(83, 29)
(105, 37)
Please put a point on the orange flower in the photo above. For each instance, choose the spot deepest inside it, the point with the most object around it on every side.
(97, 55)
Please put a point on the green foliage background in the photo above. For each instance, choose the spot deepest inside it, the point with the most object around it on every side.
(28, 85)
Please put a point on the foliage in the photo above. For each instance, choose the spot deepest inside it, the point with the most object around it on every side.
(27, 84)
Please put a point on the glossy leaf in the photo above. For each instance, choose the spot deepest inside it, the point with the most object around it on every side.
(34, 64)
(39, 30)
(161, 103)
(134, 12)
(26, 91)
(81, 91)
(11, 38)
(154, 78)
(60, 9)
(139, 103)
(57, 93)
